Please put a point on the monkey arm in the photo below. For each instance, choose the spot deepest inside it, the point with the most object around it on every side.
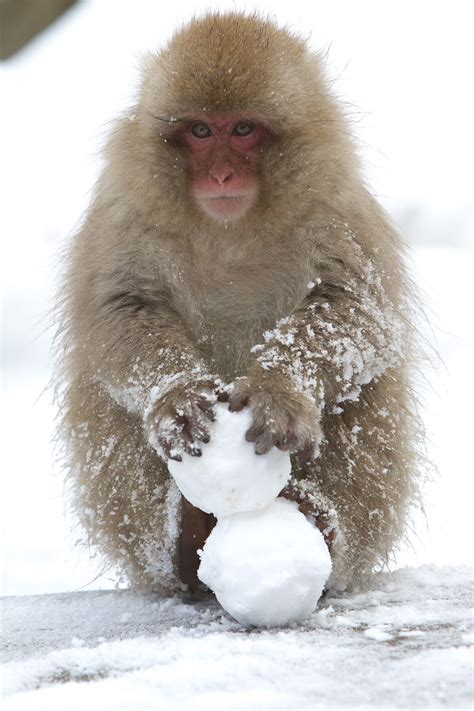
(141, 349)
(340, 338)
(337, 341)
(141, 352)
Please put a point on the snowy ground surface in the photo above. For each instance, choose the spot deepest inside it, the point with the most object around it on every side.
(404, 644)
(69, 640)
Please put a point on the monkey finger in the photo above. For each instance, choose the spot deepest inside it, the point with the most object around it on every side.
(187, 435)
(189, 445)
(200, 433)
(168, 450)
(284, 445)
(194, 450)
(238, 402)
(181, 418)
(253, 433)
(205, 403)
(193, 425)
(287, 441)
(207, 408)
(264, 443)
(223, 396)
(199, 425)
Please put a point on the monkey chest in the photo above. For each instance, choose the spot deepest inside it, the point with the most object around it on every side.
(228, 309)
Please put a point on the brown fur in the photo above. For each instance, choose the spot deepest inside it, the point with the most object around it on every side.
(155, 289)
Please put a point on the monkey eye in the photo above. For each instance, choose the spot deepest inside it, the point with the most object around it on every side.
(200, 130)
(243, 128)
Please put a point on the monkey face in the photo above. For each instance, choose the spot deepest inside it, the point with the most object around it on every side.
(223, 153)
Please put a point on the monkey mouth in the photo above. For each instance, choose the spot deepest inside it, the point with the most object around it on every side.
(225, 197)
(226, 207)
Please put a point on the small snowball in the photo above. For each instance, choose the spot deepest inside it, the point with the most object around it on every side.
(229, 477)
(267, 568)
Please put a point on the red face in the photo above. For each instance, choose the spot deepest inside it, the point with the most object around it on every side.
(223, 152)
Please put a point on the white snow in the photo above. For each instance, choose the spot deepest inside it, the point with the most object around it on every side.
(377, 634)
(267, 568)
(411, 83)
(230, 477)
(264, 561)
(144, 652)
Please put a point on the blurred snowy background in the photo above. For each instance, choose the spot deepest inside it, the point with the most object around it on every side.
(403, 69)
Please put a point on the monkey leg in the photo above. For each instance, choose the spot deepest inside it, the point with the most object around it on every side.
(196, 525)
(364, 478)
(122, 492)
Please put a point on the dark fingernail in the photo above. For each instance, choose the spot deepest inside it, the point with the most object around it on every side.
(176, 458)
(206, 440)
(196, 453)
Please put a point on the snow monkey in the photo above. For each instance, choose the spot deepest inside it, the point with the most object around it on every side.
(232, 251)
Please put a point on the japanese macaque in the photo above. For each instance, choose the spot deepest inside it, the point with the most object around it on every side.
(231, 251)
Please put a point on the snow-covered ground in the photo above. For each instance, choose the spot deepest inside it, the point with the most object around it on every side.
(405, 642)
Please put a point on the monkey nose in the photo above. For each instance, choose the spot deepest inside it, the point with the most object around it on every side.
(221, 173)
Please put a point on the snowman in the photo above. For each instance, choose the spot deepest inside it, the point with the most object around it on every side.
(265, 562)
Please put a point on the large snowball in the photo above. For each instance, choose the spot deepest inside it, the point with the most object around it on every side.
(229, 477)
(267, 568)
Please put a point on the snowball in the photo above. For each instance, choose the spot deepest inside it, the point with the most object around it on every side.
(229, 477)
(267, 567)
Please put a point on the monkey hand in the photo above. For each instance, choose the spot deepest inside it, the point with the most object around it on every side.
(178, 421)
(281, 416)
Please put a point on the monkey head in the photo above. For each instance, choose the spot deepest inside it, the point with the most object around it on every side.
(234, 122)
